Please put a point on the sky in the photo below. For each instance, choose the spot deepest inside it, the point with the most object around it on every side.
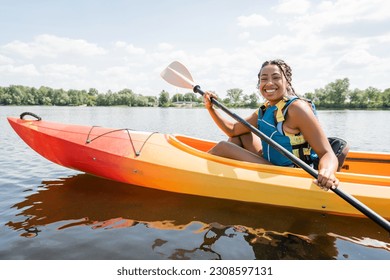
(117, 44)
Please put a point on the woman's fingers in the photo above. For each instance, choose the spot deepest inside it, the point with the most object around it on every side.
(207, 98)
(326, 180)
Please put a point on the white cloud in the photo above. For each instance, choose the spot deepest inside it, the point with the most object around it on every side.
(351, 10)
(165, 47)
(119, 77)
(340, 12)
(19, 48)
(52, 46)
(63, 70)
(293, 7)
(22, 70)
(358, 57)
(115, 71)
(253, 20)
(244, 35)
(5, 60)
(385, 38)
(130, 48)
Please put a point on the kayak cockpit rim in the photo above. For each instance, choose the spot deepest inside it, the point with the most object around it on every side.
(199, 147)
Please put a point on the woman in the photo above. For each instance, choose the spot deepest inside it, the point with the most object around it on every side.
(286, 119)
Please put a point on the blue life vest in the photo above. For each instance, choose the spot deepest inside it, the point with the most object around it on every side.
(270, 122)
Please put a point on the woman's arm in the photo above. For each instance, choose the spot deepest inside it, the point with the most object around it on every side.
(301, 118)
(231, 129)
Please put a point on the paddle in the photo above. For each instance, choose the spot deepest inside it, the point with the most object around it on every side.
(178, 75)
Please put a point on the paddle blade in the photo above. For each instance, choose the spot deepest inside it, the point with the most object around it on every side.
(177, 74)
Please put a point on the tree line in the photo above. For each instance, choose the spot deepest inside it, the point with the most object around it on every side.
(335, 95)
(23, 95)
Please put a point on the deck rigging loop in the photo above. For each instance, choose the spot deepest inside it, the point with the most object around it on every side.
(22, 115)
(137, 153)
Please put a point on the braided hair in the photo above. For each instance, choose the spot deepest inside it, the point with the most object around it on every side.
(284, 68)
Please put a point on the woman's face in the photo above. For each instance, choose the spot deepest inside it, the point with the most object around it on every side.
(272, 83)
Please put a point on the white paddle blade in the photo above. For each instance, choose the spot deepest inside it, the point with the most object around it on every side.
(177, 74)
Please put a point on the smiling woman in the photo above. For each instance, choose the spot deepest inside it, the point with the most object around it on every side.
(284, 118)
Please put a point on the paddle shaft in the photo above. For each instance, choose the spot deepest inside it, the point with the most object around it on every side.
(350, 199)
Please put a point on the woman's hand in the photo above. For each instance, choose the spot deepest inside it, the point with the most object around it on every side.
(206, 99)
(326, 180)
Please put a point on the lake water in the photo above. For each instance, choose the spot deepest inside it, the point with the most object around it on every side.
(50, 212)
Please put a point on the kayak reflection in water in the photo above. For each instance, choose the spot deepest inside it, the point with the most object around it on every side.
(118, 217)
(285, 118)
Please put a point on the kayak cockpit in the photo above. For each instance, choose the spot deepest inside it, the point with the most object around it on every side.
(362, 163)
(199, 147)
(196, 143)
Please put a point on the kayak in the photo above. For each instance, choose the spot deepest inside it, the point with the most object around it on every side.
(181, 164)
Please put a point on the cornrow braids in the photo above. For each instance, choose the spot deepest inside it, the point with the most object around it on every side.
(284, 68)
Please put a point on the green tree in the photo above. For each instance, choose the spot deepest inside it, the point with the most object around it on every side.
(386, 98)
(235, 95)
(111, 98)
(357, 99)
(125, 97)
(5, 97)
(311, 96)
(60, 97)
(253, 100)
(16, 94)
(152, 101)
(101, 100)
(43, 96)
(93, 92)
(28, 95)
(336, 93)
(74, 97)
(141, 101)
(320, 97)
(178, 97)
(163, 99)
(190, 97)
(373, 97)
